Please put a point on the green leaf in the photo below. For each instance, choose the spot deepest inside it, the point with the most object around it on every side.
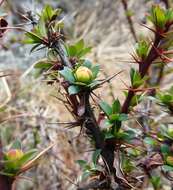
(11, 167)
(123, 117)
(67, 74)
(35, 47)
(16, 145)
(127, 165)
(134, 152)
(82, 163)
(118, 117)
(42, 28)
(78, 49)
(167, 168)
(73, 89)
(72, 51)
(55, 14)
(114, 117)
(34, 37)
(128, 135)
(86, 174)
(79, 45)
(156, 181)
(28, 41)
(87, 63)
(136, 79)
(84, 51)
(135, 100)
(94, 84)
(27, 157)
(165, 149)
(150, 141)
(116, 106)
(59, 25)
(81, 84)
(48, 11)
(158, 17)
(138, 83)
(169, 15)
(106, 108)
(108, 135)
(132, 73)
(43, 64)
(125, 93)
(95, 70)
(95, 156)
(142, 49)
(107, 123)
(167, 98)
(122, 135)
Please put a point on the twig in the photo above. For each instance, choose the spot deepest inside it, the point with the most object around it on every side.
(32, 162)
(129, 19)
(93, 185)
(9, 95)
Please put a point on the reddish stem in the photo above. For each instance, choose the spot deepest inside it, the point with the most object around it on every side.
(5, 183)
(143, 69)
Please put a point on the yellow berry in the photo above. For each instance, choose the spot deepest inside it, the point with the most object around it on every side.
(84, 74)
(14, 154)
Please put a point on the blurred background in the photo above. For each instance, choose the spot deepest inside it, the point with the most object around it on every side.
(29, 108)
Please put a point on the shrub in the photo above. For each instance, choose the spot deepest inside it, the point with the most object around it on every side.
(125, 155)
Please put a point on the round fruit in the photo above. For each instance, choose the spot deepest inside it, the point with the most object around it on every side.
(84, 74)
(169, 160)
(14, 154)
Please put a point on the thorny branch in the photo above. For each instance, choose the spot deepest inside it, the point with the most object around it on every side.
(92, 129)
(144, 67)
